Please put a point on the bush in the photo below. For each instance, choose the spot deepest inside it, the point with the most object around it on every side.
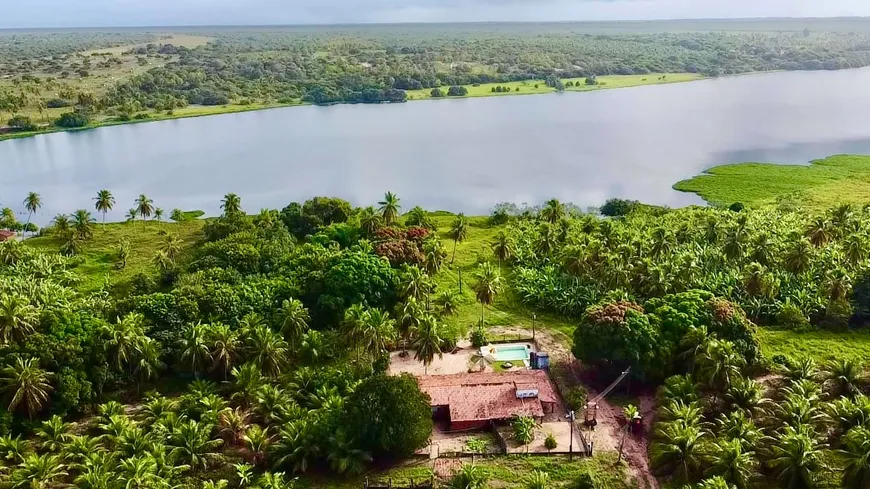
(837, 316)
(72, 120)
(791, 317)
(618, 207)
(57, 103)
(478, 338)
(585, 481)
(524, 429)
(20, 123)
(736, 207)
(550, 443)
(457, 91)
(436, 93)
(575, 399)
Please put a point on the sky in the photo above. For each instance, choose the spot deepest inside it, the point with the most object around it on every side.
(111, 13)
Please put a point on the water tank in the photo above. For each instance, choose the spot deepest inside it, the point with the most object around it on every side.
(533, 360)
(543, 361)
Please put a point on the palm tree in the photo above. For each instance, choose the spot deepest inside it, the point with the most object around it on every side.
(131, 215)
(83, 224)
(488, 285)
(844, 376)
(39, 472)
(18, 318)
(231, 205)
(856, 452)
(123, 253)
(413, 283)
(389, 208)
(376, 329)
(719, 363)
(225, 346)
(195, 351)
(72, 246)
(233, 423)
(798, 259)
(32, 203)
(61, 225)
(54, 434)
(124, 336)
(419, 217)
(553, 211)
(293, 318)
(729, 460)
(369, 221)
(248, 380)
(158, 214)
(192, 444)
(427, 341)
(503, 247)
(144, 206)
(409, 314)
(819, 232)
(449, 302)
(458, 233)
(266, 348)
(679, 451)
(257, 441)
(837, 284)
(104, 203)
(855, 250)
(146, 361)
(433, 256)
(344, 457)
(171, 246)
(25, 384)
(797, 459)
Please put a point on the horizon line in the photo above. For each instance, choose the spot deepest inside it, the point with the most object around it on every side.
(484, 22)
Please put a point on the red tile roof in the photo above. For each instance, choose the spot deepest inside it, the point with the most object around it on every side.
(4, 235)
(491, 395)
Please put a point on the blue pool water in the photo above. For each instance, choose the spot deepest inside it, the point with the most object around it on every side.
(511, 353)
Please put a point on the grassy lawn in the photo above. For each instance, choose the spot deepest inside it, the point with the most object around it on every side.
(528, 87)
(507, 310)
(504, 472)
(824, 183)
(821, 345)
(99, 255)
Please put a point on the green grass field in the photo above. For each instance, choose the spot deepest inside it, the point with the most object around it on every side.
(506, 472)
(99, 256)
(824, 183)
(819, 344)
(528, 87)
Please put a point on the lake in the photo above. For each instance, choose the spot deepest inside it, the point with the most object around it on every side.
(458, 155)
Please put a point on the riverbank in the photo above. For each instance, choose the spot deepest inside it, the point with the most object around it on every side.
(821, 184)
(530, 87)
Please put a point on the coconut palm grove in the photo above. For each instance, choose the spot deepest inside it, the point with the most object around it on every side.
(253, 350)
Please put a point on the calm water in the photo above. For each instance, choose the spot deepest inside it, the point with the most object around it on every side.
(459, 155)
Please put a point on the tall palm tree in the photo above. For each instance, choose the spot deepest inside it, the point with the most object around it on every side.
(503, 247)
(158, 214)
(427, 341)
(144, 206)
(195, 351)
(369, 221)
(487, 287)
(797, 459)
(553, 211)
(83, 224)
(105, 201)
(413, 283)
(389, 208)
(231, 205)
(131, 215)
(855, 249)
(293, 318)
(32, 203)
(61, 225)
(458, 232)
(409, 314)
(18, 318)
(25, 384)
(123, 337)
(146, 361)
(433, 256)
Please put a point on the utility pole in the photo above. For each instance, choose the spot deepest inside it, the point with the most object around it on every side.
(571, 418)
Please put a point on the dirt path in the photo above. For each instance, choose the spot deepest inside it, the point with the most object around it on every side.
(608, 434)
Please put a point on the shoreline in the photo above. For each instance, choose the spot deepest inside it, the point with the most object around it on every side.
(413, 96)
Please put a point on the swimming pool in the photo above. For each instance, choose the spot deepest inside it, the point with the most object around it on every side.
(509, 353)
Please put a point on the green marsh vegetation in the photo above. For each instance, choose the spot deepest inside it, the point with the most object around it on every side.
(820, 184)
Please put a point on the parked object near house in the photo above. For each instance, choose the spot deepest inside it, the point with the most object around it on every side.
(476, 400)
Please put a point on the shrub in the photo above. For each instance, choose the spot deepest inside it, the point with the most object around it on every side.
(585, 481)
(550, 443)
(837, 315)
(478, 338)
(436, 93)
(476, 445)
(575, 399)
(20, 123)
(524, 429)
(57, 103)
(72, 120)
(457, 91)
(736, 207)
(791, 317)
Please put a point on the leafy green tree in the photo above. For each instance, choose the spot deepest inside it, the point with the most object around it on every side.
(389, 415)
(105, 201)
(225, 347)
(376, 331)
(25, 385)
(158, 214)
(433, 256)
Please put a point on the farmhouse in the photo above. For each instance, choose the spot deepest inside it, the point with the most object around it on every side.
(475, 400)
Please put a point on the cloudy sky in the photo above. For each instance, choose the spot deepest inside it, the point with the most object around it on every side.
(76, 13)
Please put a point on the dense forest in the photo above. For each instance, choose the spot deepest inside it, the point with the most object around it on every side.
(374, 64)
